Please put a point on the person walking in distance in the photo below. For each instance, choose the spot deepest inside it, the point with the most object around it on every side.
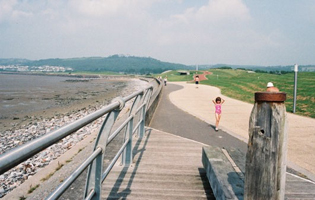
(197, 80)
(217, 104)
(165, 80)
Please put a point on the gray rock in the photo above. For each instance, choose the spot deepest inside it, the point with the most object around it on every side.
(2, 190)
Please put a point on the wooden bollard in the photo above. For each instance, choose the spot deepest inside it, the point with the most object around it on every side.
(267, 148)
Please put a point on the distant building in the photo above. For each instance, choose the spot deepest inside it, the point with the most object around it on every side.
(45, 68)
(183, 72)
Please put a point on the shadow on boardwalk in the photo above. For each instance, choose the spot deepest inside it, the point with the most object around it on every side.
(165, 167)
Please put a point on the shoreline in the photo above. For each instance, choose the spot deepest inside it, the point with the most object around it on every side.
(36, 126)
(23, 105)
(67, 74)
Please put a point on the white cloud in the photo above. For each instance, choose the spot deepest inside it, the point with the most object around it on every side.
(207, 31)
(223, 10)
(6, 9)
(14, 10)
(223, 31)
(206, 24)
(99, 8)
(216, 12)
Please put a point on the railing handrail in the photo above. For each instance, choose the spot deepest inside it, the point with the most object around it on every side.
(19, 154)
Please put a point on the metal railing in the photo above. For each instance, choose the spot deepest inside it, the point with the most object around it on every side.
(94, 162)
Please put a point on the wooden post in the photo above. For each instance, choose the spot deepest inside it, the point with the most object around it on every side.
(267, 148)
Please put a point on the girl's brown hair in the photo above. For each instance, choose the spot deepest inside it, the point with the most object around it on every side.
(218, 99)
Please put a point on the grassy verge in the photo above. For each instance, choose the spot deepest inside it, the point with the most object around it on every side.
(241, 85)
(32, 188)
(175, 76)
(51, 174)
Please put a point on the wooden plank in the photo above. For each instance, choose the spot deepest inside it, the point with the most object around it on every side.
(225, 182)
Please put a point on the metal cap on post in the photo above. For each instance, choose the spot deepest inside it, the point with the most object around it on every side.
(296, 68)
(270, 96)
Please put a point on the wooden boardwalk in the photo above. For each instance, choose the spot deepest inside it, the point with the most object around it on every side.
(166, 166)
(299, 188)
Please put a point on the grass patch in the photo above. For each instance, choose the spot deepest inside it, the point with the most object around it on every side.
(239, 84)
(47, 177)
(59, 166)
(32, 189)
(175, 75)
(51, 174)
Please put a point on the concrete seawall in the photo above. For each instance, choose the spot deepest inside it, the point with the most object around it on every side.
(156, 96)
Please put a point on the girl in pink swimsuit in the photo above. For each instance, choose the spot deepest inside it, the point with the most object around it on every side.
(217, 103)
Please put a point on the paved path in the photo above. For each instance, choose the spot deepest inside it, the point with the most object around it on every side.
(171, 119)
(235, 121)
(203, 76)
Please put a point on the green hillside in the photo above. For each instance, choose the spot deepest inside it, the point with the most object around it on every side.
(115, 63)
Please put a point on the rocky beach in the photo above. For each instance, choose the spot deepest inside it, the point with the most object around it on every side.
(30, 111)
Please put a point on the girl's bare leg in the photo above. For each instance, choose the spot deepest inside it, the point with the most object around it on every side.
(219, 117)
(217, 120)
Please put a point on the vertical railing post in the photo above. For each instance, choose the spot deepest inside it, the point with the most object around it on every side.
(142, 118)
(267, 148)
(127, 155)
(94, 174)
(146, 100)
(98, 174)
(135, 106)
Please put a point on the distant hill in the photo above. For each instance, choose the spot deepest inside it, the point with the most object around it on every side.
(116, 63)
(12, 61)
(137, 65)
(288, 68)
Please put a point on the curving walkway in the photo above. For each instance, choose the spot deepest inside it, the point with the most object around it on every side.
(203, 76)
(171, 119)
(235, 120)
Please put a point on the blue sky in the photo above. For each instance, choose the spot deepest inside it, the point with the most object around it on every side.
(244, 32)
